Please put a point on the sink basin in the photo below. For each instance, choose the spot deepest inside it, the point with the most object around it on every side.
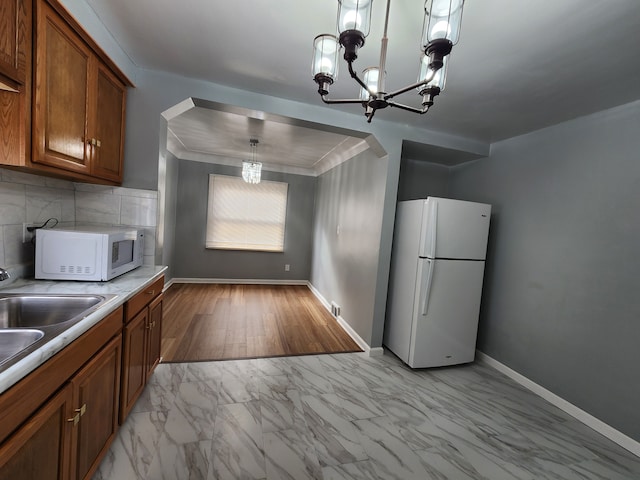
(28, 311)
(29, 321)
(14, 341)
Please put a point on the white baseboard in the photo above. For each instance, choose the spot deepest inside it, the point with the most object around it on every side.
(599, 426)
(239, 281)
(372, 352)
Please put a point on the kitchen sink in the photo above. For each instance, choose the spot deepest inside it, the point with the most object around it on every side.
(13, 341)
(28, 311)
(28, 321)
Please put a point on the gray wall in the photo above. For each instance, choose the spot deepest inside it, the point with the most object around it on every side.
(344, 269)
(420, 179)
(192, 260)
(168, 195)
(561, 303)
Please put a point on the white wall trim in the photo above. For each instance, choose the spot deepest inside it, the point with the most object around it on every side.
(372, 352)
(599, 426)
(239, 281)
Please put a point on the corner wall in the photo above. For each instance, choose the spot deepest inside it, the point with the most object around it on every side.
(346, 239)
(560, 304)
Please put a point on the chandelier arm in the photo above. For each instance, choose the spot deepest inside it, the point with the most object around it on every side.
(370, 115)
(401, 106)
(354, 75)
(340, 100)
(411, 87)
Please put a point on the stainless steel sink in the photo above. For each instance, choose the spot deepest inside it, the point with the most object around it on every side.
(13, 341)
(28, 321)
(30, 311)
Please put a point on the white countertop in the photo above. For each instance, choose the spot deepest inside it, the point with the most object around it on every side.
(124, 287)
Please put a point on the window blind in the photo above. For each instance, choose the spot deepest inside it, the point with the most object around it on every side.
(243, 216)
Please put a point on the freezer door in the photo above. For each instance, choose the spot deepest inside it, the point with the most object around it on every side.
(446, 309)
(454, 229)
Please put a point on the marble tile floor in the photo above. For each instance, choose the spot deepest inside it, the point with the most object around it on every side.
(350, 416)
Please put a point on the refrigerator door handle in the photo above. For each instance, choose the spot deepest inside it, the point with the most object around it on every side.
(426, 285)
(434, 231)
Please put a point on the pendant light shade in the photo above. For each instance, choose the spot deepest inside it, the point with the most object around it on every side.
(442, 21)
(438, 79)
(325, 61)
(325, 56)
(370, 77)
(354, 15)
(354, 22)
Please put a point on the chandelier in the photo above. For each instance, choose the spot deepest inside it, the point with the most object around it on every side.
(251, 169)
(440, 32)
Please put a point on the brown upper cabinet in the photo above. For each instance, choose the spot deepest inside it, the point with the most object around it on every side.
(79, 105)
(14, 29)
(65, 116)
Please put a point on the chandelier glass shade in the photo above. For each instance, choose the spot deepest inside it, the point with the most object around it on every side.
(440, 32)
(252, 169)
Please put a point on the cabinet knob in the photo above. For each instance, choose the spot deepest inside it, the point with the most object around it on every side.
(98, 143)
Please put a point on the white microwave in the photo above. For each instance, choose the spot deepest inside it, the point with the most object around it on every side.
(87, 253)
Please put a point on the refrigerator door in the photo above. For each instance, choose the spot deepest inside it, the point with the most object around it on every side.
(446, 308)
(454, 229)
(402, 278)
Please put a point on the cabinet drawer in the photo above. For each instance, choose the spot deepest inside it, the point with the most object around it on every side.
(142, 299)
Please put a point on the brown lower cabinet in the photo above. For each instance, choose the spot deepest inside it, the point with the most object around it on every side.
(142, 337)
(96, 390)
(40, 449)
(67, 437)
(59, 421)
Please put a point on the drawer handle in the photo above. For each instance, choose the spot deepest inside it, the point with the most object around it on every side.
(75, 419)
(151, 292)
(82, 410)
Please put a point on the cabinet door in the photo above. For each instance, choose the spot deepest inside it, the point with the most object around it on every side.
(61, 92)
(15, 98)
(13, 43)
(96, 394)
(134, 360)
(40, 449)
(155, 335)
(108, 137)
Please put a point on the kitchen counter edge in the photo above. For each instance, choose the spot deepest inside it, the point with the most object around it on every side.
(124, 287)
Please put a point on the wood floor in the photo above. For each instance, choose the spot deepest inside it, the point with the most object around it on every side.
(223, 322)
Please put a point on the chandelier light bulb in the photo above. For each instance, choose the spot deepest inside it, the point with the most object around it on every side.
(351, 21)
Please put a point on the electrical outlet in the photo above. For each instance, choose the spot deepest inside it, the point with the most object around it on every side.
(287, 267)
(335, 309)
(26, 234)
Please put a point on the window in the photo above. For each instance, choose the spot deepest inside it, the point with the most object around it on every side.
(243, 216)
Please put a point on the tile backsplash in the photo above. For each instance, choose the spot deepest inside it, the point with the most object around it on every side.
(26, 198)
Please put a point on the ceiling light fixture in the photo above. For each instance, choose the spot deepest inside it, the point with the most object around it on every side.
(251, 169)
(440, 32)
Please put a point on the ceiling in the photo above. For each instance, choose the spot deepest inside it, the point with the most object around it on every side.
(520, 65)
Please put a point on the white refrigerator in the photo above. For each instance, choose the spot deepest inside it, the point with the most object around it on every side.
(437, 268)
